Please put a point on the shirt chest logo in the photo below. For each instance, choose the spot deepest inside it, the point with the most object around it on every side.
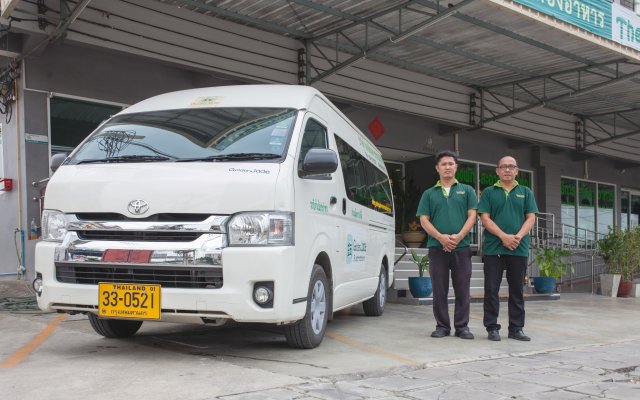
(520, 196)
(460, 192)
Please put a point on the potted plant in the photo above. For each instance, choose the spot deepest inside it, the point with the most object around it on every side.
(420, 286)
(550, 267)
(414, 236)
(629, 260)
(611, 249)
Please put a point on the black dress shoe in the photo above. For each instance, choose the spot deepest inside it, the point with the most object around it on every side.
(440, 332)
(464, 333)
(494, 335)
(519, 335)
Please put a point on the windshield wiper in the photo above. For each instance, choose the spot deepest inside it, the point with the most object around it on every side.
(233, 156)
(125, 159)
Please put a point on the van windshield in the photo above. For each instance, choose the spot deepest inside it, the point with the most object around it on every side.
(206, 134)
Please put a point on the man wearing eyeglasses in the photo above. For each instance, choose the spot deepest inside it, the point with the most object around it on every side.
(447, 212)
(507, 211)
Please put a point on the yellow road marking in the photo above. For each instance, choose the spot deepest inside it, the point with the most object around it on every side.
(370, 349)
(21, 354)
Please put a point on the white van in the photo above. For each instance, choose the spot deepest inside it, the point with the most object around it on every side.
(257, 203)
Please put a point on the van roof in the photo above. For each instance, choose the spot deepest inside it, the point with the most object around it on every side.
(273, 96)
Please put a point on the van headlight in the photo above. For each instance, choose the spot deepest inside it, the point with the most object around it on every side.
(261, 228)
(54, 225)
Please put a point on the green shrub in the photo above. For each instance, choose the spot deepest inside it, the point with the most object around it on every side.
(550, 263)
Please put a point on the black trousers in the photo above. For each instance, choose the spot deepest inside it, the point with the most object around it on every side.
(459, 264)
(494, 266)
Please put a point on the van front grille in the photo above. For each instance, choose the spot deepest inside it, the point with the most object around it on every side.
(164, 217)
(140, 236)
(167, 277)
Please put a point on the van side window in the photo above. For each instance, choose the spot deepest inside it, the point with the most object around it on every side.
(315, 135)
(364, 183)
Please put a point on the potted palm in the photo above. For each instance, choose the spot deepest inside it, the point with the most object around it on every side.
(550, 267)
(420, 286)
(611, 248)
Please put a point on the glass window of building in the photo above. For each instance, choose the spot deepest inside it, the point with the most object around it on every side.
(629, 209)
(467, 173)
(487, 177)
(624, 209)
(586, 210)
(634, 210)
(568, 206)
(606, 201)
(525, 178)
(73, 120)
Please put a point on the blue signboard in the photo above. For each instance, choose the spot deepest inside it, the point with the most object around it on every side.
(591, 15)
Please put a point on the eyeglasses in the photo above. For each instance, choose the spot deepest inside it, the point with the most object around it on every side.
(510, 166)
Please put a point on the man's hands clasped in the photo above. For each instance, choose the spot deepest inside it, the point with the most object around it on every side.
(449, 242)
(511, 242)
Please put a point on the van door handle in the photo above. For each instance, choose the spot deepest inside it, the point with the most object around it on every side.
(344, 206)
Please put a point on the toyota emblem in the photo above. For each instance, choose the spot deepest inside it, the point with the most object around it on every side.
(138, 207)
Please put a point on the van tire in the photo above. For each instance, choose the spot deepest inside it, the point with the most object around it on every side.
(309, 331)
(114, 328)
(374, 307)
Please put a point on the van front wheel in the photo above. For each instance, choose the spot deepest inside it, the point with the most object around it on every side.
(114, 328)
(374, 307)
(309, 331)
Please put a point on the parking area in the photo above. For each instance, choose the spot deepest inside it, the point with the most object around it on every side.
(56, 356)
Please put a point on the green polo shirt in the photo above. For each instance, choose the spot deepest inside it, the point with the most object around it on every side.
(508, 210)
(448, 213)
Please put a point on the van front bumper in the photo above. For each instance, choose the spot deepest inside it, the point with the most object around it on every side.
(230, 298)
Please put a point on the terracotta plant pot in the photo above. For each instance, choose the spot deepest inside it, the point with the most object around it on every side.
(624, 290)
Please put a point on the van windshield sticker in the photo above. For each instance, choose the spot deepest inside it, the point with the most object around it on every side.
(317, 205)
(206, 101)
(378, 205)
(357, 214)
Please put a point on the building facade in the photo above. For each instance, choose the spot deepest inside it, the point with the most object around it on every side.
(486, 78)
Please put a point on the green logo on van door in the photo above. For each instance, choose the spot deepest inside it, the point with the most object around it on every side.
(356, 250)
(357, 214)
(317, 205)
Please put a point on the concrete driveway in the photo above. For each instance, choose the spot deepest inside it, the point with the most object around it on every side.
(53, 356)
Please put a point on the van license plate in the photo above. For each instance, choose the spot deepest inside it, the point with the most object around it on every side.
(128, 300)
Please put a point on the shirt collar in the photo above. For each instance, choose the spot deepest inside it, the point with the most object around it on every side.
(439, 184)
(498, 184)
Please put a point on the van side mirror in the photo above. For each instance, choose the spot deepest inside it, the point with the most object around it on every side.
(57, 160)
(318, 162)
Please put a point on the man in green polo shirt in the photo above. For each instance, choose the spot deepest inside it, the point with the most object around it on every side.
(447, 212)
(507, 211)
